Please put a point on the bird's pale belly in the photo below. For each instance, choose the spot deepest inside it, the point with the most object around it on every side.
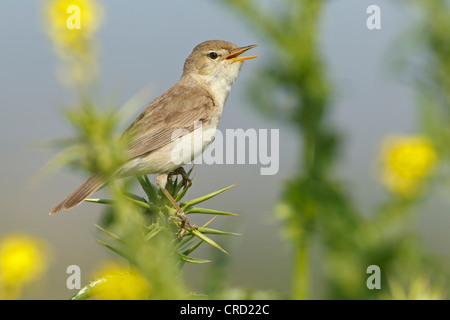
(173, 155)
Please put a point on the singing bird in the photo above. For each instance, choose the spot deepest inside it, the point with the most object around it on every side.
(198, 97)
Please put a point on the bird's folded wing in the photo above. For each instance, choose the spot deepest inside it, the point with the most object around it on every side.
(179, 108)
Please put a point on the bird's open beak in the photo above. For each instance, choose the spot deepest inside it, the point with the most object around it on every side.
(235, 55)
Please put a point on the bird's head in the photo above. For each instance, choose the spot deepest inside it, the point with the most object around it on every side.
(216, 62)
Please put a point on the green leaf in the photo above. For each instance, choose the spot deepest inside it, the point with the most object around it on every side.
(144, 204)
(204, 198)
(185, 242)
(191, 249)
(177, 186)
(135, 196)
(86, 292)
(180, 185)
(209, 211)
(192, 260)
(190, 171)
(201, 236)
(115, 250)
(183, 193)
(109, 233)
(214, 231)
(149, 189)
(153, 232)
(211, 220)
(101, 201)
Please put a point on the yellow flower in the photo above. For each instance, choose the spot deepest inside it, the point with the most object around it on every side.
(71, 25)
(118, 282)
(407, 161)
(23, 259)
(59, 18)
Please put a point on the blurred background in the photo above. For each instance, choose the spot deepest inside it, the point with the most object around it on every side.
(142, 45)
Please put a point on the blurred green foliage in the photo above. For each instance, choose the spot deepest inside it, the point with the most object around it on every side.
(316, 209)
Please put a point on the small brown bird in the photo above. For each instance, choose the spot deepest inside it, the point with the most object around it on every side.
(197, 98)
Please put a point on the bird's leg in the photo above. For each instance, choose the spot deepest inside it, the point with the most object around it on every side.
(186, 180)
(161, 182)
(182, 217)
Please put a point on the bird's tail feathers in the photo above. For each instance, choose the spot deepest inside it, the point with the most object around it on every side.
(91, 185)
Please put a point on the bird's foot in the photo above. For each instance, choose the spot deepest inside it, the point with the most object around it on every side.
(180, 171)
(185, 225)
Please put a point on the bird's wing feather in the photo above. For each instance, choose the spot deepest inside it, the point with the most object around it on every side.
(179, 108)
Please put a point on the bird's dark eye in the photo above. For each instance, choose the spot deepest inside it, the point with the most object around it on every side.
(213, 55)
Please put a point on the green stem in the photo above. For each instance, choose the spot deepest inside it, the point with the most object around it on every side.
(86, 292)
(301, 270)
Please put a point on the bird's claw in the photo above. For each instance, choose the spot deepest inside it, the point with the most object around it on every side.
(185, 225)
(180, 171)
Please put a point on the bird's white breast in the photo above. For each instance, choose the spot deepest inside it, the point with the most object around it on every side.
(175, 154)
